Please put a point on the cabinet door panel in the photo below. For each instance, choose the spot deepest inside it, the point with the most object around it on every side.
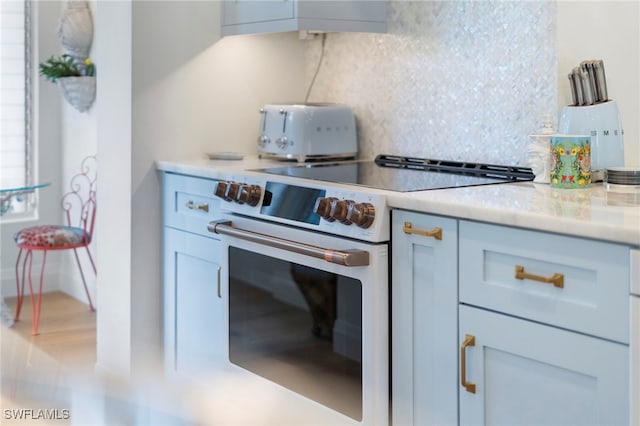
(424, 318)
(195, 338)
(635, 360)
(250, 11)
(260, 16)
(358, 10)
(530, 374)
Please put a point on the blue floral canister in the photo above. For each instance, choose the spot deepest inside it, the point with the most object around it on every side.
(570, 161)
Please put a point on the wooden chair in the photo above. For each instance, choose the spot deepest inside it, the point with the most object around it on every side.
(79, 206)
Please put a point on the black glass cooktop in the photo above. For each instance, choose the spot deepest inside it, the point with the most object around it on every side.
(404, 174)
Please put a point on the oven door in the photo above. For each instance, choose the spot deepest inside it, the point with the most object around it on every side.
(308, 312)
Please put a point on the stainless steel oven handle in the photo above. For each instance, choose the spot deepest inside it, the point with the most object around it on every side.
(341, 257)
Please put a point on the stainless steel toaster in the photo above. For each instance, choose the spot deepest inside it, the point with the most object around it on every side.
(307, 132)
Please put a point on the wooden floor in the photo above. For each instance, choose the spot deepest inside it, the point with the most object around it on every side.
(67, 330)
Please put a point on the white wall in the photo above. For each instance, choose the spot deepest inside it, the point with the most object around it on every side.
(166, 94)
(113, 55)
(79, 139)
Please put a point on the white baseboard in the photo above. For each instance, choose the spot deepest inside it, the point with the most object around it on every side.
(51, 280)
(68, 282)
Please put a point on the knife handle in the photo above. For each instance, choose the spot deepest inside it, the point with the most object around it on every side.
(601, 80)
(577, 81)
(589, 68)
(572, 85)
(587, 93)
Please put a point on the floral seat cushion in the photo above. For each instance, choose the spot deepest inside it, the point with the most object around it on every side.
(45, 236)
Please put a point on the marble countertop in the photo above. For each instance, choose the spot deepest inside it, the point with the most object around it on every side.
(590, 213)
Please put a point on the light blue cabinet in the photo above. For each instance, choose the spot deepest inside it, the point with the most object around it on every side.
(541, 329)
(195, 304)
(195, 338)
(259, 16)
(544, 328)
(424, 295)
(526, 373)
(634, 366)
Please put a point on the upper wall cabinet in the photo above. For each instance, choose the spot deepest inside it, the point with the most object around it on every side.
(260, 16)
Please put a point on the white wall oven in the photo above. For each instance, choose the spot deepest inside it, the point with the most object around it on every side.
(308, 294)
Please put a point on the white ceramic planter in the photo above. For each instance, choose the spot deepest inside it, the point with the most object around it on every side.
(80, 92)
(76, 29)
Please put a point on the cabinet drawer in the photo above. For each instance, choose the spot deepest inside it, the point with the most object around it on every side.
(189, 203)
(593, 298)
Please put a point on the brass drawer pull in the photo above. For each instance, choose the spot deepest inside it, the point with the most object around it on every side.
(193, 206)
(557, 279)
(219, 289)
(469, 340)
(435, 232)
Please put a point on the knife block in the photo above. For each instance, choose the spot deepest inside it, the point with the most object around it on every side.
(602, 122)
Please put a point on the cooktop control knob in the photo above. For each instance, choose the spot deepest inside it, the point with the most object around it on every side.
(362, 214)
(323, 207)
(233, 191)
(249, 194)
(339, 210)
(221, 190)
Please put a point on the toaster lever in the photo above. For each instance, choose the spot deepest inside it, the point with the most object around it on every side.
(282, 142)
(263, 112)
(263, 139)
(284, 120)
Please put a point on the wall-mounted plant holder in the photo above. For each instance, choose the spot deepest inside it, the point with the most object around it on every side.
(73, 71)
(80, 92)
(75, 30)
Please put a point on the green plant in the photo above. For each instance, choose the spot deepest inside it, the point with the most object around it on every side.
(65, 66)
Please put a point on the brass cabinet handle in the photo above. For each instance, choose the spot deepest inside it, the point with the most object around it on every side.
(193, 206)
(219, 290)
(557, 279)
(435, 232)
(469, 340)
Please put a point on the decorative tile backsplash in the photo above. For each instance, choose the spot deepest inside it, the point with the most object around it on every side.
(455, 80)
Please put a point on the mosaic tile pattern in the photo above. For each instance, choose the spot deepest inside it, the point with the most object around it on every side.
(455, 80)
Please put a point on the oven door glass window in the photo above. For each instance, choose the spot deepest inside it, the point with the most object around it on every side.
(297, 326)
